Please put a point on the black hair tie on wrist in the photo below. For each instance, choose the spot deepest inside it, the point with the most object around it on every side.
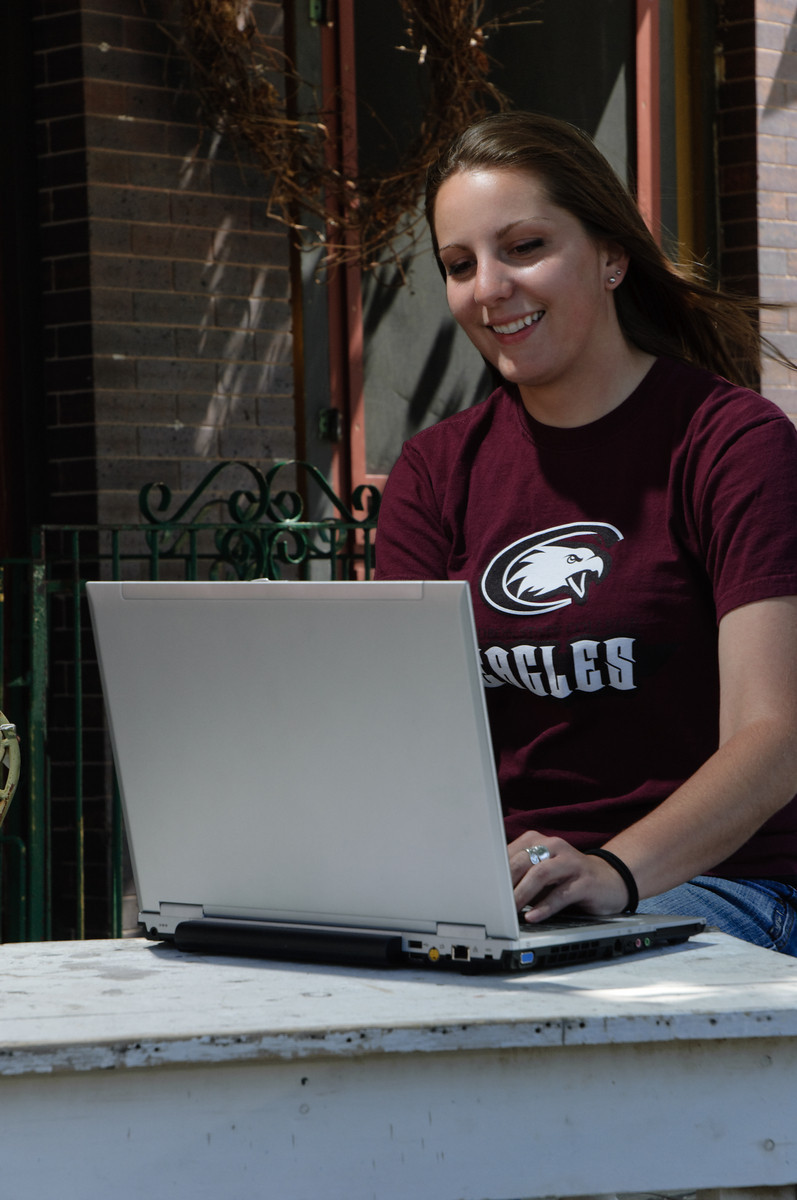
(624, 873)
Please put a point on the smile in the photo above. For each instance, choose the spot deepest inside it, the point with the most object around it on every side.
(521, 323)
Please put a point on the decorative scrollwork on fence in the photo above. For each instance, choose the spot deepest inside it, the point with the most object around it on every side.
(202, 499)
(262, 527)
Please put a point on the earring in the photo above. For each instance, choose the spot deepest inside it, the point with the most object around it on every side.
(612, 279)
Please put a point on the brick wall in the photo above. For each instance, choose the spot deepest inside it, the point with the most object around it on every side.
(736, 145)
(776, 93)
(166, 286)
(757, 160)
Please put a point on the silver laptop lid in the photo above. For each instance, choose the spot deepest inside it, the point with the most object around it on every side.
(311, 752)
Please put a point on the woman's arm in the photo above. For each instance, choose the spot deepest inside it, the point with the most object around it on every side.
(751, 775)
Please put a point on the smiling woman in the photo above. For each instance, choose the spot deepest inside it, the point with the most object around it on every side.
(534, 293)
(625, 510)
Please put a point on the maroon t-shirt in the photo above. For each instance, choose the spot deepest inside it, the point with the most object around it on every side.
(600, 560)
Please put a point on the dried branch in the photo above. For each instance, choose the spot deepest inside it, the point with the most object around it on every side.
(243, 81)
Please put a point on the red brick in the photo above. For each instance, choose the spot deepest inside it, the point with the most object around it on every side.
(71, 272)
(738, 206)
(736, 93)
(64, 133)
(74, 341)
(740, 64)
(69, 203)
(71, 442)
(62, 66)
(740, 264)
(739, 150)
(56, 31)
(738, 178)
(739, 234)
(731, 11)
(59, 100)
(123, 133)
(59, 170)
(738, 35)
(737, 122)
(76, 408)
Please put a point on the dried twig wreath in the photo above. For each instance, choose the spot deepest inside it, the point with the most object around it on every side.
(248, 86)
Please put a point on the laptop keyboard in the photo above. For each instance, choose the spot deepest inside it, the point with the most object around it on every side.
(562, 921)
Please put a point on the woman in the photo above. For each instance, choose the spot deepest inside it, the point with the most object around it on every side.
(627, 520)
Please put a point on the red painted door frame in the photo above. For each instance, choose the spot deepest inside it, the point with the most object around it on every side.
(345, 294)
(648, 116)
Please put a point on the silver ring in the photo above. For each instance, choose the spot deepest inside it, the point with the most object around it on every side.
(537, 854)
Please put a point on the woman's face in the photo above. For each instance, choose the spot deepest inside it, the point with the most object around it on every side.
(530, 287)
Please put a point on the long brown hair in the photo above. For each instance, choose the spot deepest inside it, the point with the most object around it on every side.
(663, 309)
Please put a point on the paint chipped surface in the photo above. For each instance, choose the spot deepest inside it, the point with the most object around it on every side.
(129, 1003)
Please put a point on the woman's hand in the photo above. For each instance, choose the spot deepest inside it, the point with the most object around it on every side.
(567, 878)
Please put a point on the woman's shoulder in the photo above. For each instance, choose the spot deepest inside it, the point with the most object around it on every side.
(707, 415)
(707, 395)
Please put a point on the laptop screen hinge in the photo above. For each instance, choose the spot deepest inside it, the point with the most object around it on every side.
(444, 929)
(162, 922)
(180, 912)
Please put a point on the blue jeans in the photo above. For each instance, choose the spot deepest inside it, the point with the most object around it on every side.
(757, 910)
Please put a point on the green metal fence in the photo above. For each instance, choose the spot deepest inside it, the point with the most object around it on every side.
(63, 865)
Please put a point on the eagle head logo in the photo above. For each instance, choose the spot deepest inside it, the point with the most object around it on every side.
(549, 569)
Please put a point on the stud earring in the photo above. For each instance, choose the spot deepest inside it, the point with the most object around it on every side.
(612, 279)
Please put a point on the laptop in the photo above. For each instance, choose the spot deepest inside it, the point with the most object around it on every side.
(306, 773)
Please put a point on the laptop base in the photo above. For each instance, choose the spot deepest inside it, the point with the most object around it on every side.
(261, 939)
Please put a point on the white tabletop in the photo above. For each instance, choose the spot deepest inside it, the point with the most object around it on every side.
(130, 1002)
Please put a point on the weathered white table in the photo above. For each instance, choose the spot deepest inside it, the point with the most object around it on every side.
(130, 1070)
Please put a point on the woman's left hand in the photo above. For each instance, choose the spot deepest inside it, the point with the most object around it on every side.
(565, 879)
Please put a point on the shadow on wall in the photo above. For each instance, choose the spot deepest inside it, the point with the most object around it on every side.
(783, 90)
(246, 326)
(419, 366)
